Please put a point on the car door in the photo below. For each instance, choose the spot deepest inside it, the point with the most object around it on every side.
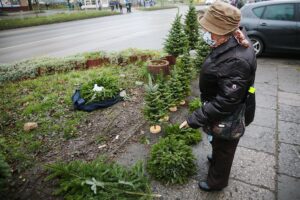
(279, 26)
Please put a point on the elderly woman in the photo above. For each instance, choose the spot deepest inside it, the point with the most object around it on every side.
(225, 78)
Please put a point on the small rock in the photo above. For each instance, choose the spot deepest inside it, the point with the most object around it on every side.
(30, 126)
(123, 93)
(139, 83)
(102, 146)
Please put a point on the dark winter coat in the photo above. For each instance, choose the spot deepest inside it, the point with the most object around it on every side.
(226, 75)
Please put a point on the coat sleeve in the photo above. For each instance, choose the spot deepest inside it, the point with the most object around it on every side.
(233, 83)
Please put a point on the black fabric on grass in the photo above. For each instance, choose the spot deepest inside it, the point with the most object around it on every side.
(80, 104)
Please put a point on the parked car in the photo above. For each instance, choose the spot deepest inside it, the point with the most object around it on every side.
(273, 26)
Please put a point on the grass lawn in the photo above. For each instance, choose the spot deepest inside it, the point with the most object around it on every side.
(62, 17)
(47, 101)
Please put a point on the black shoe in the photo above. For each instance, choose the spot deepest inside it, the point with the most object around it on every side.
(204, 186)
(209, 158)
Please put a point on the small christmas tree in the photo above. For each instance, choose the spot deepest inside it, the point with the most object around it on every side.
(202, 51)
(184, 67)
(176, 39)
(191, 28)
(153, 109)
(165, 96)
(176, 88)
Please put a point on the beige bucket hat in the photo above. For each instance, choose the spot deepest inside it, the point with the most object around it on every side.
(221, 18)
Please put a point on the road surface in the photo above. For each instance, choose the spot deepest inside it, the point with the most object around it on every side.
(145, 30)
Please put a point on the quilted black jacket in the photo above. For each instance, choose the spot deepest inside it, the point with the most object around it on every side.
(226, 75)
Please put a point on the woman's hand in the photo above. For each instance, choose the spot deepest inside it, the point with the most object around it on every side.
(184, 125)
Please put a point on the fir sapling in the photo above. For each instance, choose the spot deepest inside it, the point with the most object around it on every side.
(171, 161)
(191, 27)
(202, 52)
(176, 88)
(176, 38)
(153, 110)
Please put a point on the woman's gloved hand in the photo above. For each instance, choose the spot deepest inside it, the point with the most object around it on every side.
(184, 125)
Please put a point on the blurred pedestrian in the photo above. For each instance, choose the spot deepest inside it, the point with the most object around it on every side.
(226, 80)
(112, 5)
(121, 7)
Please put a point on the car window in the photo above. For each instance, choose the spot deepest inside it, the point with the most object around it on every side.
(280, 12)
(258, 11)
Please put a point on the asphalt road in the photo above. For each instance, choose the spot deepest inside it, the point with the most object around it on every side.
(145, 30)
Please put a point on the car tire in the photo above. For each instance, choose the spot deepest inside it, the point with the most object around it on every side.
(258, 45)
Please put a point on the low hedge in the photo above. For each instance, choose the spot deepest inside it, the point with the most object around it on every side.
(32, 68)
(57, 18)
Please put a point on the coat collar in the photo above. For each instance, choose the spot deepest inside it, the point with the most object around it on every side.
(231, 43)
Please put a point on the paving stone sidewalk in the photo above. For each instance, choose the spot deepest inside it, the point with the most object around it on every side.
(267, 161)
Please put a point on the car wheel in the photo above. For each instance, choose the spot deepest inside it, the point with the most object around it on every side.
(257, 45)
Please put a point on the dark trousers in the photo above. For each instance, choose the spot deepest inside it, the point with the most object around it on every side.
(219, 170)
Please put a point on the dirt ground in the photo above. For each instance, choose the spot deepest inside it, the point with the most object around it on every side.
(119, 132)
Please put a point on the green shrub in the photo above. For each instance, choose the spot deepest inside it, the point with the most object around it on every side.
(188, 135)
(171, 161)
(4, 172)
(100, 179)
(110, 89)
(194, 105)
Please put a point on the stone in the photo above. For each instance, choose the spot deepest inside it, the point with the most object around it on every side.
(291, 99)
(191, 191)
(289, 159)
(288, 187)
(256, 168)
(289, 132)
(30, 126)
(289, 113)
(266, 101)
(289, 79)
(266, 74)
(266, 89)
(265, 117)
(259, 138)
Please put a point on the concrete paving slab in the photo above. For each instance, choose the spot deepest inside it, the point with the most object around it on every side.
(289, 79)
(256, 168)
(259, 138)
(266, 101)
(288, 188)
(266, 74)
(289, 113)
(235, 190)
(266, 89)
(265, 117)
(289, 159)
(287, 98)
(289, 132)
